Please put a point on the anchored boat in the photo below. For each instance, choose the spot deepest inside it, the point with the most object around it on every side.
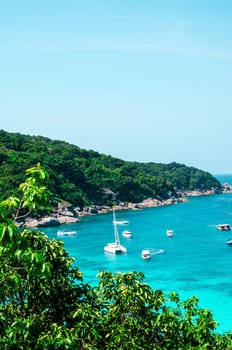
(115, 247)
(66, 233)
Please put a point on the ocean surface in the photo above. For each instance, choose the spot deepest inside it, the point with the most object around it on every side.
(196, 260)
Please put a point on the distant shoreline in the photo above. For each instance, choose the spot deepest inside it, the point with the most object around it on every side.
(68, 214)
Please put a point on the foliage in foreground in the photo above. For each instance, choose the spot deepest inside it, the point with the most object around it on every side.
(44, 303)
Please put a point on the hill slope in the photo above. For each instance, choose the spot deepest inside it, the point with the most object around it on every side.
(87, 177)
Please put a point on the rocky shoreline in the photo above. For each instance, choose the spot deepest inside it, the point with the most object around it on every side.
(65, 213)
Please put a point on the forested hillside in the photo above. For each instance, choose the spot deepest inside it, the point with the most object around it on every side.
(85, 177)
(45, 303)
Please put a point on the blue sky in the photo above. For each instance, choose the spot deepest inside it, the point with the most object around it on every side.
(147, 81)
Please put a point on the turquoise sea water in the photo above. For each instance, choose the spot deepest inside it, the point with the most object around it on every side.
(196, 260)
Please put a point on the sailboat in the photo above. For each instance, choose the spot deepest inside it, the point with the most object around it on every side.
(115, 247)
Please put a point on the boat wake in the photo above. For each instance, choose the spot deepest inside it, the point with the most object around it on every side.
(160, 251)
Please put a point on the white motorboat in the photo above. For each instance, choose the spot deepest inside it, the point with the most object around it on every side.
(224, 227)
(146, 254)
(115, 247)
(127, 234)
(229, 241)
(169, 233)
(66, 233)
(120, 222)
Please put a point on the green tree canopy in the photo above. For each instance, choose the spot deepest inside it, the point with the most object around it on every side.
(81, 177)
(45, 305)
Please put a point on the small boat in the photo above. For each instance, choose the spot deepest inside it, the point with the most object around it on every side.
(146, 254)
(120, 222)
(229, 241)
(224, 227)
(115, 247)
(169, 233)
(66, 233)
(127, 233)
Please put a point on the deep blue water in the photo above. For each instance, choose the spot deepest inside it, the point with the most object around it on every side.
(196, 260)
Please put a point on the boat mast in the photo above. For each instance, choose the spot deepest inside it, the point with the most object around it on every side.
(116, 235)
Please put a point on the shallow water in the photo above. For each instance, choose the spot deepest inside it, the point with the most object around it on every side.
(196, 260)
